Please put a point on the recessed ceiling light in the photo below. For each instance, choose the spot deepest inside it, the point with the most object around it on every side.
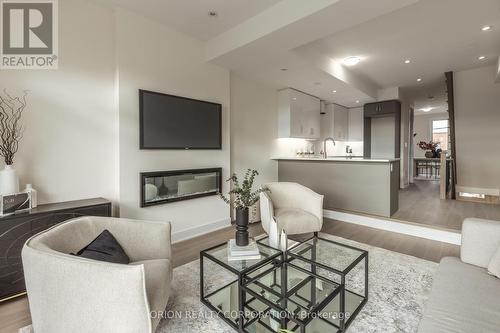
(407, 61)
(486, 28)
(283, 69)
(357, 101)
(481, 58)
(427, 109)
(419, 80)
(334, 91)
(351, 61)
(294, 98)
(212, 13)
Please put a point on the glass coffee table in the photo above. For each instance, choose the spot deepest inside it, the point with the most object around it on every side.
(221, 280)
(303, 289)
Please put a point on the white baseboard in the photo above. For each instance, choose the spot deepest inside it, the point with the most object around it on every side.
(478, 190)
(200, 230)
(399, 227)
(26, 329)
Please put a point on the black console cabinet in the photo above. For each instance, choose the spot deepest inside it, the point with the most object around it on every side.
(16, 229)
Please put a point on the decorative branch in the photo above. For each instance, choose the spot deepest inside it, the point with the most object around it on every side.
(11, 128)
(242, 194)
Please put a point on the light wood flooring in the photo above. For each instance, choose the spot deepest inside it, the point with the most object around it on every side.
(420, 203)
(14, 314)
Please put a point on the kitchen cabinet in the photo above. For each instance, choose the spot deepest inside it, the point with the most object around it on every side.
(381, 108)
(298, 115)
(340, 123)
(382, 129)
(335, 122)
(356, 124)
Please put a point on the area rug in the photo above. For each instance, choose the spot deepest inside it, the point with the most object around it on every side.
(399, 286)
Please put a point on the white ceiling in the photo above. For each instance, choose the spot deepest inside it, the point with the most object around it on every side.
(191, 16)
(429, 95)
(256, 38)
(436, 35)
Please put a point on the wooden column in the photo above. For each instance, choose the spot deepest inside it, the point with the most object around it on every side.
(451, 112)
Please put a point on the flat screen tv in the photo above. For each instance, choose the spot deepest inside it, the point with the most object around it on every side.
(174, 122)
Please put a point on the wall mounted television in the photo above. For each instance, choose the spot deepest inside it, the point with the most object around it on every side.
(175, 122)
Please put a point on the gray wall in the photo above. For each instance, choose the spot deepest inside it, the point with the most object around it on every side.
(253, 128)
(357, 186)
(477, 109)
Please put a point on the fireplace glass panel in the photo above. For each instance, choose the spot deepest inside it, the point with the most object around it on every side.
(171, 186)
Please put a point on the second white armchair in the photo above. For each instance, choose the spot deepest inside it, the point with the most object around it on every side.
(291, 208)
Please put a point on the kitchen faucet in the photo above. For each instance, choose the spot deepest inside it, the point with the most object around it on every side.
(348, 151)
(325, 154)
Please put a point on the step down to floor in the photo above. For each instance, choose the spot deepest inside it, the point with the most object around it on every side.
(408, 228)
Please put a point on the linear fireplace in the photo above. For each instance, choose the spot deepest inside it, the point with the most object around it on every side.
(169, 186)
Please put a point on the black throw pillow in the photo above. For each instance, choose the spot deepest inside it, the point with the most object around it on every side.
(105, 248)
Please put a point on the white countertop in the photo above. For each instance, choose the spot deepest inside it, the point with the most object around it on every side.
(337, 159)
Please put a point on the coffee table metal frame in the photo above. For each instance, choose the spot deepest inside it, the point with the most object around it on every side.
(290, 256)
(277, 257)
(283, 260)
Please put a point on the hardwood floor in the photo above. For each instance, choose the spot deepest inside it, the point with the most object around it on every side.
(14, 314)
(420, 203)
(414, 246)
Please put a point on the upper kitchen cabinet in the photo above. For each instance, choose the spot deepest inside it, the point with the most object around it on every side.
(356, 124)
(298, 115)
(382, 108)
(335, 122)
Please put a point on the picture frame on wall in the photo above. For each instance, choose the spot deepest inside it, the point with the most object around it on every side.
(15, 203)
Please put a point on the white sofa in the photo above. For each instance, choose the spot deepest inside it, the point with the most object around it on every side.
(464, 297)
(72, 294)
(291, 207)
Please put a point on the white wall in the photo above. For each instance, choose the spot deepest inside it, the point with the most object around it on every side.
(153, 57)
(388, 94)
(477, 120)
(422, 126)
(68, 148)
(254, 128)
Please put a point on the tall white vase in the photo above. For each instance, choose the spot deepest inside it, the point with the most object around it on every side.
(9, 181)
(274, 237)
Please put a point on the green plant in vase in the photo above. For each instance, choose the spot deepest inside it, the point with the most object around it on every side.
(243, 197)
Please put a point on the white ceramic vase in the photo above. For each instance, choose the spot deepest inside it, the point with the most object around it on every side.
(9, 181)
(274, 238)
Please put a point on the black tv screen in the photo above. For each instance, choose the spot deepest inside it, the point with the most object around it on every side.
(174, 122)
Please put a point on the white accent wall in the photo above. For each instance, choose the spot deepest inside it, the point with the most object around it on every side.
(153, 57)
(82, 120)
(477, 120)
(67, 152)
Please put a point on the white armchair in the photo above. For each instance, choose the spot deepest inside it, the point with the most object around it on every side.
(292, 208)
(72, 294)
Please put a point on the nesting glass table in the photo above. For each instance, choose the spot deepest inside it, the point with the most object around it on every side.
(317, 285)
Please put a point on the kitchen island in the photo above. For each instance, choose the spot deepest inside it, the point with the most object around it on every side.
(362, 185)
